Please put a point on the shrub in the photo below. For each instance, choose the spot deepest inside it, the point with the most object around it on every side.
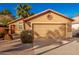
(2, 34)
(26, 36)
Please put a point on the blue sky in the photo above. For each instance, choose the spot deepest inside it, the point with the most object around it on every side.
(68, 9)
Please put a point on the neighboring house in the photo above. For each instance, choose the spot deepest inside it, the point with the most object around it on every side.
(44, 23)
(75, 26)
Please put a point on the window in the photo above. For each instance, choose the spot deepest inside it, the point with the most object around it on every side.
(20, 27)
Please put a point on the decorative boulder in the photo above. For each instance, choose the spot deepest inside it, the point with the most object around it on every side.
(8, 37)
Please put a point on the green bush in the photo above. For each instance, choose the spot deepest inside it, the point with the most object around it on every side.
(26, 36)
(2, 34)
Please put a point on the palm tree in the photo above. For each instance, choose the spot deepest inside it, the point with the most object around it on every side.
(23, 10)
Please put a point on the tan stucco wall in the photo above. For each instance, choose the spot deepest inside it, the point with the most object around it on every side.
(55, 19)
(17, 23)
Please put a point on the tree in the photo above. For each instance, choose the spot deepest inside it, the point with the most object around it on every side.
(6, 16)
(23, 10)
(5, 21)
(5, 12)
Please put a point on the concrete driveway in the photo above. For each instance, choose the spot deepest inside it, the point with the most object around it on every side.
(69, 49)
(15, 47)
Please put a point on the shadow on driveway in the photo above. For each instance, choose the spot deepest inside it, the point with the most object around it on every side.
(18, 47)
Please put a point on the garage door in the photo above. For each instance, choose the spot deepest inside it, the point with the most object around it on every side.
(47, 33)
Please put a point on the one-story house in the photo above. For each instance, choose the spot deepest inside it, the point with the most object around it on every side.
(41, 24)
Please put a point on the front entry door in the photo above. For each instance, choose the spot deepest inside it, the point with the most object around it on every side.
(12, 29)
